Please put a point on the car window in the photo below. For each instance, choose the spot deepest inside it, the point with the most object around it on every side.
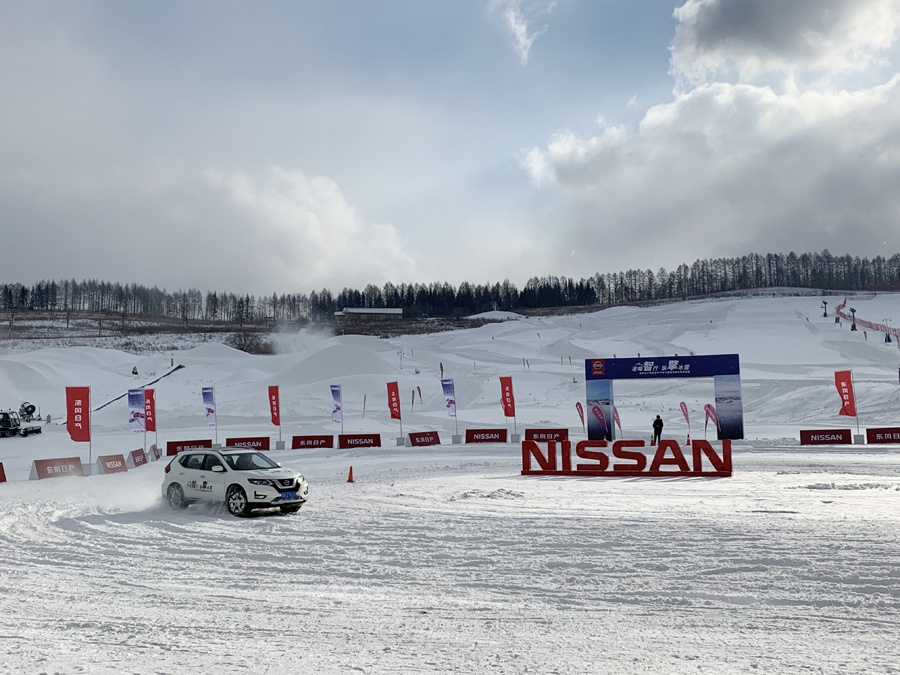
(249, 461)
(192, 461)
(211, 461)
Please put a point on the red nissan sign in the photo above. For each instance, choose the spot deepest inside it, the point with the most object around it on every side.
(274, 407)
(485, 435)
(155, 451)
(174, 447)
(883, 435)
(622, 459)
(359, 440)
(54, 468)
(112, 463)
(424, 438)
(546, 434)
(298, 442)
(826, 437)
(78, 413)
(254, 442)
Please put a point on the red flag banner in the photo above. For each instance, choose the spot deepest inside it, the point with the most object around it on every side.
(843, 380)
(78, 413)
(684, 411)
(274, 406)
(616, 419)
(150, 409)
(506, 397)
(580, 409)
(442, 370)
(710, 415)
(598, 413)
(393, 394)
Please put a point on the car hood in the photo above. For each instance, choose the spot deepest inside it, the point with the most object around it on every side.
(278, 474)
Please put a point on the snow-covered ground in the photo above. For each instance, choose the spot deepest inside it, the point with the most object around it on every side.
(445, 559)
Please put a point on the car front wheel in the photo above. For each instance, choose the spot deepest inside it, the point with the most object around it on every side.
(176, 497)
(236, 501)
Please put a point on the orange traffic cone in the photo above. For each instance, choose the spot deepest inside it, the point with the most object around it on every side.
(350, 475)
(689, 439)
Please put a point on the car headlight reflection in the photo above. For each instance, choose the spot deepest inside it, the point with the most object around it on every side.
(259, 481)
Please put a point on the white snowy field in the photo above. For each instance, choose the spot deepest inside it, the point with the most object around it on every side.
(445, 559)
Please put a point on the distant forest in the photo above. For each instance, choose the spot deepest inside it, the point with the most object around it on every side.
(705, 277)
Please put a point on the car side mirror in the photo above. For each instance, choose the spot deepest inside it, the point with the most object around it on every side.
(218, 468)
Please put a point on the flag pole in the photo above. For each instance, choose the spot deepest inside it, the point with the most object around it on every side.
(853, 384)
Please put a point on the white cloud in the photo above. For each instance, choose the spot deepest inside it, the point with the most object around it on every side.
(519, 17)
(304, 231)
(757, 38)
(729, 167)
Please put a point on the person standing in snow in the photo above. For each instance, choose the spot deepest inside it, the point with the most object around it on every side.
(657, 429)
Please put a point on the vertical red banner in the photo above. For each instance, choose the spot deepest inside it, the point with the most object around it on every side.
(150, 409)
(506, 397)
(274, 406)
(843, 380)
(78, 413)
(393, 394)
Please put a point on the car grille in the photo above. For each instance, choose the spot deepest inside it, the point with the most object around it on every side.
(287, 483)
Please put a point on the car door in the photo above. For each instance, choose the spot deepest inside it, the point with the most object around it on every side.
(213, 477)
(191, 472)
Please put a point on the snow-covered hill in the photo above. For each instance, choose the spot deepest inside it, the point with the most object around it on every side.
(445, 559)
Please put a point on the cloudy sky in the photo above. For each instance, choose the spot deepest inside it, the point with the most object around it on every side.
(287, 146)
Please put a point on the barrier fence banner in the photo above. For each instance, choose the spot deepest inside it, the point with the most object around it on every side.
(359, 441)
(2, 474)
(418, 438)
(622, 459)
(298, 442)
(485, 435)
(174, 447)
(111, 463)
(135, 459)
(54, 468)
(154, 452)
(826, 437)
(883, 435)
(546, 434)
(253, 442)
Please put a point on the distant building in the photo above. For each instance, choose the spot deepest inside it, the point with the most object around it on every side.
(353, 314)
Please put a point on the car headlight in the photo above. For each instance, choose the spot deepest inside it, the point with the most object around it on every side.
(259, 481)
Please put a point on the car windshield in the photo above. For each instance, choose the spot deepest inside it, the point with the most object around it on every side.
(249, 461)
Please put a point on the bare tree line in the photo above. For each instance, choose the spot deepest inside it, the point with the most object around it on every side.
(440, 299)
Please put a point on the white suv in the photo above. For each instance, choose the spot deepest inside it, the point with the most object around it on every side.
(243, 479)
